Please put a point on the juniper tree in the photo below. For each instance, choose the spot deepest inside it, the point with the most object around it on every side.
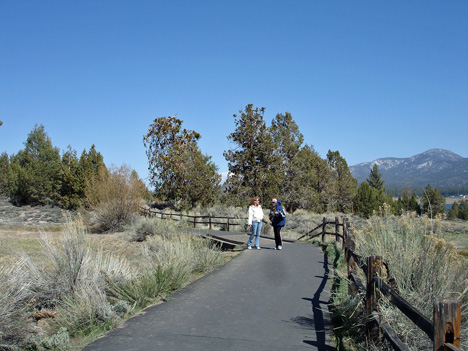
(179, 172)
(287, 140)
(433, 202)
(5, 175)
(36, 170)
(252, 164)
(311, 181)
(343, 187)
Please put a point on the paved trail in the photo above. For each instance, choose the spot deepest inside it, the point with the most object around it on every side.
(261, 300)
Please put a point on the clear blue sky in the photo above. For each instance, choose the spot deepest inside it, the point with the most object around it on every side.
(369, 79)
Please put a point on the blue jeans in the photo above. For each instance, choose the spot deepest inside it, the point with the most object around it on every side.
(256, 229)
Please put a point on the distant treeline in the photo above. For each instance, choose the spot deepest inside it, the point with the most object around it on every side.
(40, 175)
(446, 191)
(266, 161)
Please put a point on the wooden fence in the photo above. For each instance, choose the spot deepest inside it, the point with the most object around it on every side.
(445, 327)
(229, 222)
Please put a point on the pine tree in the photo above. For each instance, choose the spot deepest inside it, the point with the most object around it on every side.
(375, 179)
(367, 200)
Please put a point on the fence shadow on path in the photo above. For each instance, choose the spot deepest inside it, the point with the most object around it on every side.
(318, 322)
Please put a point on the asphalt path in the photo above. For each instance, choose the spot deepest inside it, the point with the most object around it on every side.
(261, 300)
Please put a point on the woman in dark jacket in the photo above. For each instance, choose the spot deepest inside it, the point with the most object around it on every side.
(278, 220)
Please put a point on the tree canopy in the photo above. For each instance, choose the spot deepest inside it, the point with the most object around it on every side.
(179, 172)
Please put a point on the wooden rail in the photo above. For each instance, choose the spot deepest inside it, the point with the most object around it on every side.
(444, 329)
(207, 219)
(323, 231)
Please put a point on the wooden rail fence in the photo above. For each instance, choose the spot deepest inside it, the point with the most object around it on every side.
(207, 219)
(444, 329)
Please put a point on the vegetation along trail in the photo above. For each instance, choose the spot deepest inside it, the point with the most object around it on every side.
(261, 300)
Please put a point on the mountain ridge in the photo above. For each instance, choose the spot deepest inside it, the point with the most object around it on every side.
(442, 169)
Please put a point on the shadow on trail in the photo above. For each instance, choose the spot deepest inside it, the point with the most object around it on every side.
(317, 323)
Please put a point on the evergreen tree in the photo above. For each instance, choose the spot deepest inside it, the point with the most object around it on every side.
(311, 182)
(454, 211)
(179, 171)
(5, 175)
(375, 179)
(344, 187)
(288, 140)
(433, 202)
(463, 210)
(72, 190)
(36, 170)
(458, 211)
(367, 200)
(91, 165)
(253, 166)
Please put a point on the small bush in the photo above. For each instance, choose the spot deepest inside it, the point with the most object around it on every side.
(83, 312)
(58, 341)
(144, 227)
(115, 197)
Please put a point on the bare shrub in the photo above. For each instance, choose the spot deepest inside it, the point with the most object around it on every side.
(114, 196)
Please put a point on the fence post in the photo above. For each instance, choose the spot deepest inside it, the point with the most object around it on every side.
(373, 268)
(447, 323)
(336, 229)
(228, 224)
(345, 231)
(351, 263)
(210, 222)
(324, 225)
(194, 221)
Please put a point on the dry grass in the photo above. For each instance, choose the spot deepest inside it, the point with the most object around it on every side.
(423, 265)
(68, 273)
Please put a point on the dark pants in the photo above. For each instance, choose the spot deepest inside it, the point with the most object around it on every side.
(278, 239)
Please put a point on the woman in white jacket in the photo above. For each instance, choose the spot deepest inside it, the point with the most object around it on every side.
(255, 222)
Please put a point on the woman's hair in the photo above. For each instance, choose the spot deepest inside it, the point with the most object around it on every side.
(252, 201)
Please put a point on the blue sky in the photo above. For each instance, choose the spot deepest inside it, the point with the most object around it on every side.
(369, 79)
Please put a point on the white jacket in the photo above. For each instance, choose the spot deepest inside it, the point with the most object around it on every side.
(255, 214)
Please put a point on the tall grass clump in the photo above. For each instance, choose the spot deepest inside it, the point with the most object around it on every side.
(169, 260)
(422, 266)
(14, 294)
(66, 290)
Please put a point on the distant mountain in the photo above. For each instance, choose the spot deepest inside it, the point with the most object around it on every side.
(442, 169)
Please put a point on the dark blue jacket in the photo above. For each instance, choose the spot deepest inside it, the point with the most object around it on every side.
(277, 215)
